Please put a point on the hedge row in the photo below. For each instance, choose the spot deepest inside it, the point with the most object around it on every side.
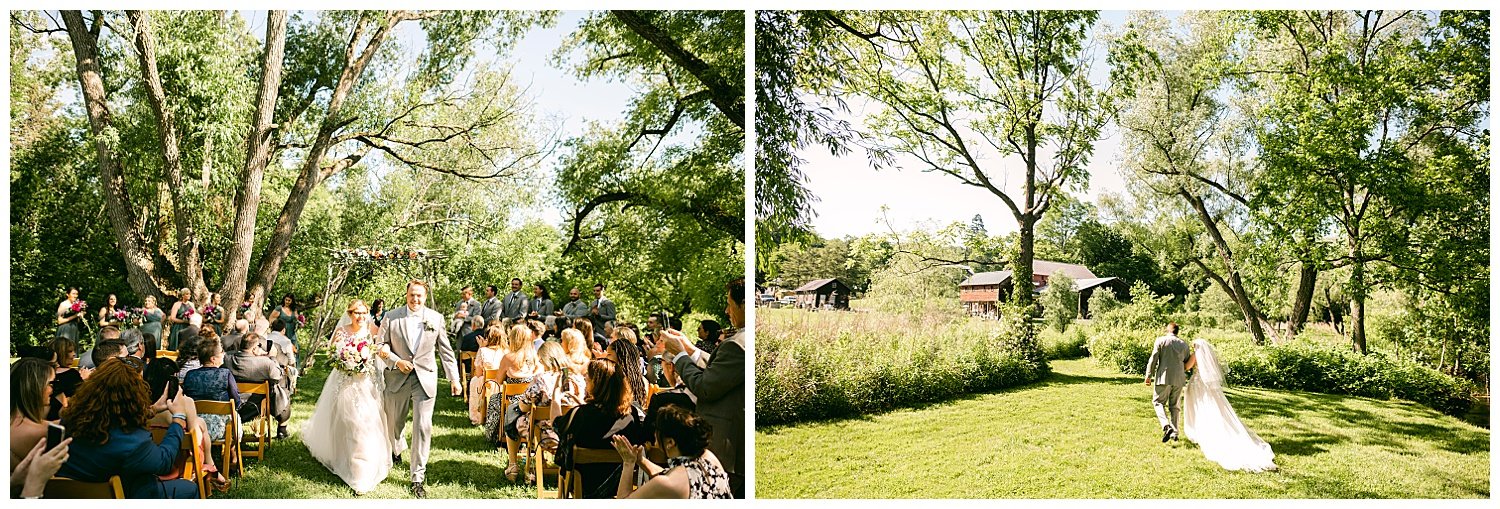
(811, 366)
(1302, 366)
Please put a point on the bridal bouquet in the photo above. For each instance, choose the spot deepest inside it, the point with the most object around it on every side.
(244, 307)
(353, 355)
(119, 316)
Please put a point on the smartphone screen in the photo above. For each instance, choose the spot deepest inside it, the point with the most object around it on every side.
(54, 435)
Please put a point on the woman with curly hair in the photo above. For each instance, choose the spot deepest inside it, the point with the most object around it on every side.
(692, 471)
(107, 420)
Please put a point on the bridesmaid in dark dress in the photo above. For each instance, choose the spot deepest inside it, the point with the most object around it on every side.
(287, 313)
(151, 318)
(178, 317)
(67, 320)
(108, 315)
(213, 313)
(377, 311)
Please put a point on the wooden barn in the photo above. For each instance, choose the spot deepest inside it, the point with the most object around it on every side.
(823, 292)
(982, 293)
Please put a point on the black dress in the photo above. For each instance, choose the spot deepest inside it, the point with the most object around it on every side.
(66, 384)
(591, 427)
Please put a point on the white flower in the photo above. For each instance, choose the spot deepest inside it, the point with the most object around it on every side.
(434, 323)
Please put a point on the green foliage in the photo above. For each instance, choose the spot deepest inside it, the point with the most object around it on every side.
(1121, 349)
(811, 366)
(1103, 301)
(1145, 311)
(657, 201)
(1071, 344)
(1060, 301)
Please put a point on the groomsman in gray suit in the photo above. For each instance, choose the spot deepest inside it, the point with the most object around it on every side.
(466, 317)
(576, 307)
(603, 310)
(491, 309)
(1167, 373)
(514, 305)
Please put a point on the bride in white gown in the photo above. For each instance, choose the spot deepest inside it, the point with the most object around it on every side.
(1209, 421)
(347, 431)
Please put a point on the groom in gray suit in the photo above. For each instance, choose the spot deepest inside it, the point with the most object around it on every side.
(1167, 373)
(409, 339)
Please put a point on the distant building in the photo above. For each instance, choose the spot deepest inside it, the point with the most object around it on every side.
(818, 293)
(982, 293)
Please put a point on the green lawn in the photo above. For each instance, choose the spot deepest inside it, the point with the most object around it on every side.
(461, 465)
(1088, 432)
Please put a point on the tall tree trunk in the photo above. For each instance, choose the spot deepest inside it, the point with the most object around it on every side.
(1232, 274)
(1020, 274)
(139, 266)
(1302, 304)
(313, 170)
(1357, 304)
(258, 143)
(189, 264)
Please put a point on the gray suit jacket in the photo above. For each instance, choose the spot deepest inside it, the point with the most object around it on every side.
(491, 309)
(575, 309)
(393, 334)
(720, 389)
(543, 307)
(514, 306)
(1169, 361)
(606, 313)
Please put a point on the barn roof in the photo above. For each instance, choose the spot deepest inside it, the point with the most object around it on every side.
(1038, 267)
(1084, 284)
(818, 283)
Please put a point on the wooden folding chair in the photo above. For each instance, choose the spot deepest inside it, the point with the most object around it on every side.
(465, 371)
(571, 485)
(192, 468)
(537, 454)
(232, 459)
(62, 487)
(491, 386)
(652, 390)
(262, 426)
(167, 354)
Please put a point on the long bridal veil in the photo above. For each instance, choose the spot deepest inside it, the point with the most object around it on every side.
(1211, 422)
(347, 432)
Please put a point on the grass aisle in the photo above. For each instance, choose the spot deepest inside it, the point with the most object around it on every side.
(1087, 432)
(461, 465)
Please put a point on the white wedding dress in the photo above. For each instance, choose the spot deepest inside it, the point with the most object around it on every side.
(347, 431)
(1209, 421)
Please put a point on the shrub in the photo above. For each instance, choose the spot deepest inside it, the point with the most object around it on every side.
(1068, 345)
(827, 365)
(1060, 301)
(1302, 365)
(1103, 301)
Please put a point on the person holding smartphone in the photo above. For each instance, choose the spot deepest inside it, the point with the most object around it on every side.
(107, 421)
(30, 388)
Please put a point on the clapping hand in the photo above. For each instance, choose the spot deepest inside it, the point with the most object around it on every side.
(629, 454)
(456, 388)
(673, 342)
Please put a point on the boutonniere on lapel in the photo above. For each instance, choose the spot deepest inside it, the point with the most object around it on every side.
(432, 324)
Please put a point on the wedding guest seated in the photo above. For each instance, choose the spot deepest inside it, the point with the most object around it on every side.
(575, 350)
(231, 339)
(283, 352)
(538, 332)
(107, 420)
(252, 364)
(187, 353)
(161, 378)
(470, 341)
(692, 472)
(518, 366)
(678, 394)
(491, 350)
(629, 358)
(136, 345)
(606, 412)
(105, 351)
(214, 383)
(66, 380)
(30, 388)
(555, 382)
(709, 336)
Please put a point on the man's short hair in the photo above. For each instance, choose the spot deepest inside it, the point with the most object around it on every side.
(515, 280)
(598, 286)
(737, 290)
(492, 288)
(106, 350)
(242, 325)
(250, 341)
(466, 288)
(110, 332)
(278, 326)
(1172, 327)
